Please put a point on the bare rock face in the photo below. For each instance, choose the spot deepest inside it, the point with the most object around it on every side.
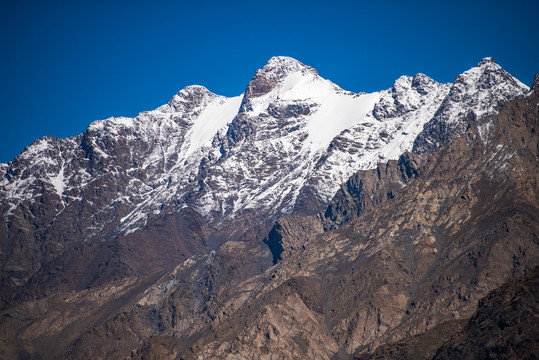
(369, 189)
(364, 190)
(503, 326)
(291, 233)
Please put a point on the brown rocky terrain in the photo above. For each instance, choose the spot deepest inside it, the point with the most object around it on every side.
(504, 326)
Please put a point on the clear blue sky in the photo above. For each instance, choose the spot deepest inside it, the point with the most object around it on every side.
(67, 63)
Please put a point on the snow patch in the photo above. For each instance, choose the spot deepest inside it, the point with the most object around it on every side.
(215, 116)
(337, 113)
(57, 182)
(484, 131)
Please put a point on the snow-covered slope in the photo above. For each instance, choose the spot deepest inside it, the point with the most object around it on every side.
(283, 146)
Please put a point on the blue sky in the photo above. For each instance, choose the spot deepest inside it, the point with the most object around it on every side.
(67, 63)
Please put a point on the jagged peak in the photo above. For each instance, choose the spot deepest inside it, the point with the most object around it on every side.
(419, 82)
(403, 79)
(420, 78)
(487, 60)
(189, 96)
(285, 64)
(489, 73)
(193, 90)
(276, 69)
(281, 59)
(413, 81)
(424, 84)
(486, 65)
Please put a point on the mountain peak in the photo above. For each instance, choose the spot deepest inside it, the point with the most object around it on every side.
(477, 92)
(281, 59)
(489, 74)
(193, 90)
(487, 60)
(276, 69)
(285, 64)
(190, 96)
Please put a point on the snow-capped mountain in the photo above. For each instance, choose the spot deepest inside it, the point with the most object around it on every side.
(296, 220)
(284, 146)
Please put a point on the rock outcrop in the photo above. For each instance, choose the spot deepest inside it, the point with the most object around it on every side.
(504, 326)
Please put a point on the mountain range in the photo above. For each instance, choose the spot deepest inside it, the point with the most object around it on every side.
(296, 220)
